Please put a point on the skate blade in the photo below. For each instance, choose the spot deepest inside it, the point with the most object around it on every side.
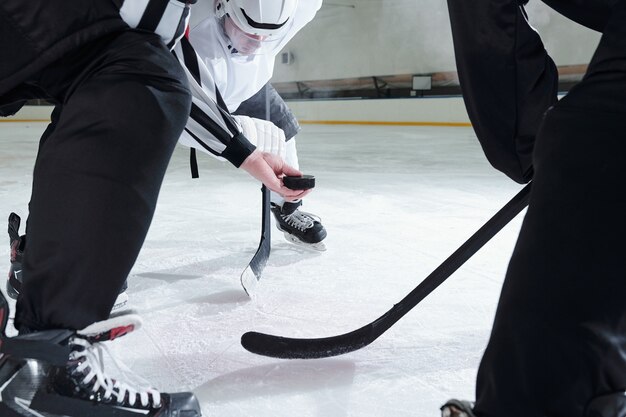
(319, 246)
(121, 303)
(457, 408)
(249, 281)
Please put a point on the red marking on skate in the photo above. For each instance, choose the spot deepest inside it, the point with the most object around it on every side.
(121, 331)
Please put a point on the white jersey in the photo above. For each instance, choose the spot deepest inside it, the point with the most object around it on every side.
(220, 81)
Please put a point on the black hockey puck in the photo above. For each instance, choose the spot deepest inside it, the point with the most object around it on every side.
(299, 183)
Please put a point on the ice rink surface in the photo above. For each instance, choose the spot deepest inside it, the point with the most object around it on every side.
(396, 202)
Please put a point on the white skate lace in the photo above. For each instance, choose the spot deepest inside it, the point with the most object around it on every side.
(91, 360)
(301, 220)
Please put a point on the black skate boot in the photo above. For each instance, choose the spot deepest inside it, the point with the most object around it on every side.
(457, 408)
(14, 283)
(17, 242)
(298, 226)
(34, 382)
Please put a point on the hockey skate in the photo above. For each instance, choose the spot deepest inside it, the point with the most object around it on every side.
(60, 373)
(14, 282)
(457, 408)
(299, 227)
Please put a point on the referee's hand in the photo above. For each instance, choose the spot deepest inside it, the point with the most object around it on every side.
(269, 169)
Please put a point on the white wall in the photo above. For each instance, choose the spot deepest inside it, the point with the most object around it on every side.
(436, 110)
(352, 38)
(568, 43)
(30, 113)
(386, 37)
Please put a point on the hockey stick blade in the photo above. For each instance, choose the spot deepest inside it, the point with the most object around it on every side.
(294, 348)
(252, 274)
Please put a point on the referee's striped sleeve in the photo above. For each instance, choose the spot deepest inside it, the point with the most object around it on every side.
(210, 127)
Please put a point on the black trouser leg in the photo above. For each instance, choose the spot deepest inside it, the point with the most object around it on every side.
(558, 339)
(507, 78)
(97, 178)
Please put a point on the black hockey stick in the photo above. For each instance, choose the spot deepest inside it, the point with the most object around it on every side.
(252, 274)
(290, 348)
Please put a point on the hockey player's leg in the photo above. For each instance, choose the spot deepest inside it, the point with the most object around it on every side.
(14, 280)
(298, 226)
(558, 338)
(73, 382)
(18, 242)
(97, 178)
(507, 78)
(267, 104)
(96, 182)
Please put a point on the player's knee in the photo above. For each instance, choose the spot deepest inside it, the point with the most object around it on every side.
(151, 120)
(167, 107)
(152, 102)
(514, 164)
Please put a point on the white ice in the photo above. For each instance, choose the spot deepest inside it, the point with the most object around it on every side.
(396, 201)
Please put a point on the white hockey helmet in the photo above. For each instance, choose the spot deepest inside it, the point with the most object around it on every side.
(252, 24)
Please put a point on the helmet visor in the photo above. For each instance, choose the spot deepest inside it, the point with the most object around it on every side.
(252, 43)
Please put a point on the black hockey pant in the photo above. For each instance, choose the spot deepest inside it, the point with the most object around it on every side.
(122, 103)
(507, 78)
(558, 343)
(272, 108)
